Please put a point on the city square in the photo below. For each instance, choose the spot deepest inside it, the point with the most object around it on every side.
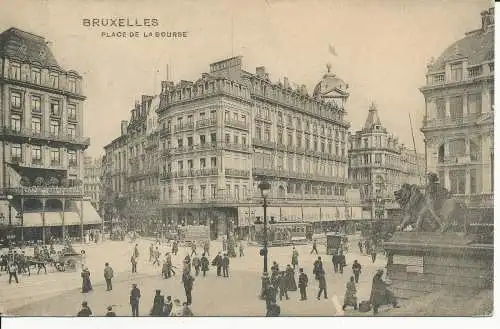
(375, 154)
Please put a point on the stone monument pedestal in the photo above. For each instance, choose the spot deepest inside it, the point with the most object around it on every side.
(419, 263)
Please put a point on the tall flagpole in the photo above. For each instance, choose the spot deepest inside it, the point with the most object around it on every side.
(414, 146)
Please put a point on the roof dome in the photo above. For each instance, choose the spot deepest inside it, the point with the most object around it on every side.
(329, 83)
(477, 46)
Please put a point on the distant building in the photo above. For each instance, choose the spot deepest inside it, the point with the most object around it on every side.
(41, 107)
(459, 120)
(92, 172)
(130, 170)
(225, 132)
(379, 165)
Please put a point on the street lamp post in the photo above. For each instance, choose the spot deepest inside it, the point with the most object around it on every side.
(10, 233)
(264, 187)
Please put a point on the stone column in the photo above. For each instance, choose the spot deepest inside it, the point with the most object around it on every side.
(63, 201)
(43, 220)
(447, 184)
(447, 106)
(467, 182)
(81, 220)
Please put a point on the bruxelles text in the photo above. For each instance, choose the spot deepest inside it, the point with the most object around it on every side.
(120, 22)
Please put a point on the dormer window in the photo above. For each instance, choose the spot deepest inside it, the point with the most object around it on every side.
(15, 71)
(54, 80)
(35, 76)
(72, 85)
(456, 72)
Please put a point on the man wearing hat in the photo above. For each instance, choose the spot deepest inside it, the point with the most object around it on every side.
(85, 311)
(135, 295)
(110, 311)
(380, 295)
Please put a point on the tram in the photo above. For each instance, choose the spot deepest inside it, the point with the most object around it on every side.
(284, 233)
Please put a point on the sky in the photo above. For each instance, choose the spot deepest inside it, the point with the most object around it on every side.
(382, 49)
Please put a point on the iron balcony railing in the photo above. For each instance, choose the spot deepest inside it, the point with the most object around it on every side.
(43, 191)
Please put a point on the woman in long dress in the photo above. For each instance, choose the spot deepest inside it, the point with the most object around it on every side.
(292, 284)
(350, 298)
(158, 304)
(295, 258)
(86, 284)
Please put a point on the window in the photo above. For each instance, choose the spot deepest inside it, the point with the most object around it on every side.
(169, 167)
(213, 190)
(456, 107)
(35, 76)
(15, 122)
(72, 130)
(213, 162)
(289, 139)
(202, 115)
(226, 116)
(190, 164)
(15, 71)
(289, 119)
(299, 124)
(473, 181)
(244, 140)
(203, 190)
(299, 139)
(15, 100)
(315, 146)
(228, 138)
(203, 163)
(72, 157)
(36, 104)
(54, 80)
(190, 141)
(190, 193)
(440, 108)
(36, 154)
(72, 85)
(378, 158)
(474, 103)
(202, 139)
(16, 152)
(236, 139)
(213, 138)
(54, 127)
(456, 72)
(237, 192)
(365, 143)
(180, 189)
(179, 142)
(258, 133)
(280, 137)
(457, 148)
(54, 108)
(322, 147)
(235, 116)
(228, 189)
(36, 125)
(213, 114)
(280, 117)
(180, 165)
(189, 119)
(71, 111)
(55, 157)
(457, 181)
(267, 135)
(244, 119)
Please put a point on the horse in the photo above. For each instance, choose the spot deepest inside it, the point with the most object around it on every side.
(448, 212)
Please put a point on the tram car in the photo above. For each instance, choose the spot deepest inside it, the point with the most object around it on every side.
(335, 242)
(283, 233)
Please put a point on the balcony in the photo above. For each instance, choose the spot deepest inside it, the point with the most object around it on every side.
(236, 124)
(263, 143)
(236, 172)
(189, 173)
(43, 191)
(184, 127)
(447, 122)
(229, 200)
(59, 137)
(237, 147)
(206, 122)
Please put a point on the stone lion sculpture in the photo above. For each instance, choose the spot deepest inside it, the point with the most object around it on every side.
(435, 208)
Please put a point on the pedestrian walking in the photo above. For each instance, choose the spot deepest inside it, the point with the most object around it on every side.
(156, 256)
(193, 248)
(136, 251)
(322, 285)
(217, 261)
(314, 247)
(295, 257)
(108, 275)
(204, 264)
(283, 285)
(151, 253)
(373, 253)
(356, 270)
(342, 262)
(86, 284)
(303, 281)
(206, 248)
(318, 268)
(13, 268)
(225, 266)
(110, 311)
(290, 276)
(135, 296)
(350, 298)
(158, 304)
(85, 311)
(188, 280)
(175, 247)
(196, 264)
(360, 246)
(241, 249)
(133, 262)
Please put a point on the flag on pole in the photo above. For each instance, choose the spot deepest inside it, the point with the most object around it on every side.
(332, 50)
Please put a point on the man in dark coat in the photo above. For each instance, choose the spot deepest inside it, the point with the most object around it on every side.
(303, 280)
(175, 247)
(217, 261)
(270, 295)
(204, 264)
(283, 285)
(85, 311)
(133, 262)
(322, 285)
(318, 267)
(108, 275)
(380, 295)
(225, 266)
(341, 261)
(136, 251)
(314, 248)
(135, 295)
(188, 280)
(360, 246)
(356, 270)
(196, 264)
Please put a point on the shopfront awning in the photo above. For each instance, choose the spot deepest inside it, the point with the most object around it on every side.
(4, 214)
(71, 218)
(32, 219)
(52, 219)
(90, 215)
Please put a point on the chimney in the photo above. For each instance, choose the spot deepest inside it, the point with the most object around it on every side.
(124, 125)
(286, 84)
(260, 71)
